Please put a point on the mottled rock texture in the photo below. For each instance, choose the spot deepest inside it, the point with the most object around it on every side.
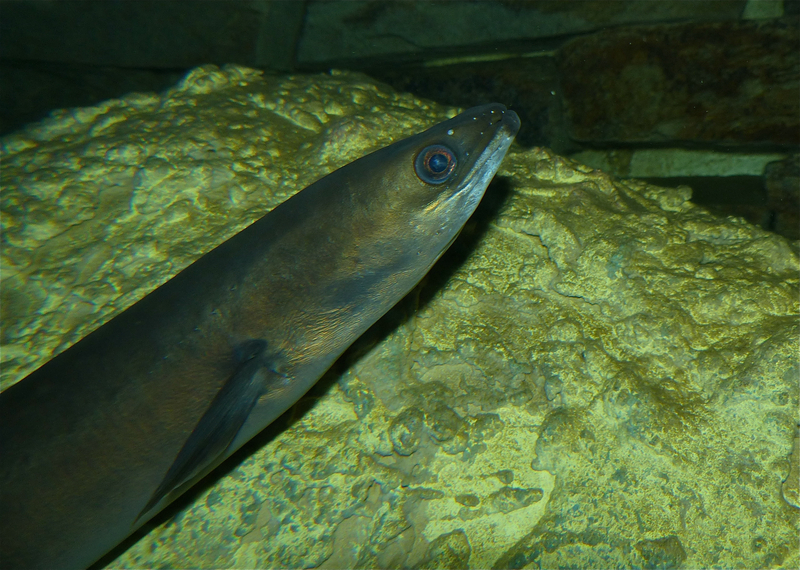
(734, 83)
(599, 374)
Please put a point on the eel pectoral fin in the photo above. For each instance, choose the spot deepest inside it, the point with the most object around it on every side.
(219, 425)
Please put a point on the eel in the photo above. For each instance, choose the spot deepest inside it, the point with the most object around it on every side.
(106, 434)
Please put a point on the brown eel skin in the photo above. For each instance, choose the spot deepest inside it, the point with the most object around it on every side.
(109, 432)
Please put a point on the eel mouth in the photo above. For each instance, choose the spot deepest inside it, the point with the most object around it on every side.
(488, 162)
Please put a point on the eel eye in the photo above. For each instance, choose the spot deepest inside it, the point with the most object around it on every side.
(435, 164)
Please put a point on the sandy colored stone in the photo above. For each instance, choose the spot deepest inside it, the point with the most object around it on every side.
(599, 374)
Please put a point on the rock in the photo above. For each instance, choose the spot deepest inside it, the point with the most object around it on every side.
(782, 180)
(348, 31)
(598, 373)
(733, 83)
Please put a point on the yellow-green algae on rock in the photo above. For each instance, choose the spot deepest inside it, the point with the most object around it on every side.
(608, 378)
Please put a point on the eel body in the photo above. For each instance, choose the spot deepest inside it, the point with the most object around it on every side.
(107, 433)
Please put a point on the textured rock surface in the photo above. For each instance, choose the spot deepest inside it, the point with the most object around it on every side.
(603, 376)
(362, 29)
(722, 82)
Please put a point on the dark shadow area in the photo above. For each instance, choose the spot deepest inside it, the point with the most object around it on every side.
(743, 196)
(709, 190)
(30, 90)
(419, 297)
(525, 85)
